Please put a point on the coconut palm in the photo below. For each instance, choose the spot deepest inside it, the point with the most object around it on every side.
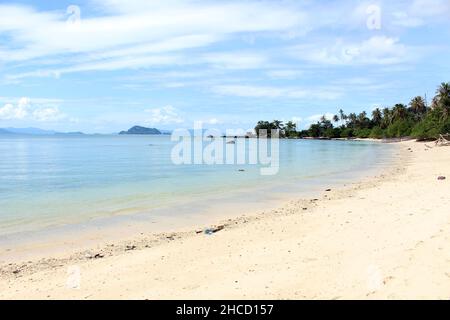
(277, 124)
(399, 112)
(352, 119)
(290, 128)
(336, 118)
(443, 92)
(442, 100)
(377, 116)
(387, 118)
(418, 106)
(342, 115)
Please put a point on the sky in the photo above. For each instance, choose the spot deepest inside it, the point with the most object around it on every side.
(102, 66)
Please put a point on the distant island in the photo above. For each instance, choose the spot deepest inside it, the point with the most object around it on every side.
(3, 131)
(35, 132)
(142, 131)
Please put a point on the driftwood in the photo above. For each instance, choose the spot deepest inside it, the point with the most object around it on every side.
(443, 140)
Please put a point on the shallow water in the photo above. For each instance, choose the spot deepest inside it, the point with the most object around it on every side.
(56, 180)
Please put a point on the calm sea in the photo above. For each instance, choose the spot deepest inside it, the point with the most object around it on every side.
(57, 180)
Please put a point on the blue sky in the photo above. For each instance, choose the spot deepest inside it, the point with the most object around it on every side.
(169, 63)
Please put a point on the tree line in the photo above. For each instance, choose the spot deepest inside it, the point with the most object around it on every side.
(417, 120)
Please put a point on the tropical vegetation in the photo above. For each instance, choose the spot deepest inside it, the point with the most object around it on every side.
(417, 120)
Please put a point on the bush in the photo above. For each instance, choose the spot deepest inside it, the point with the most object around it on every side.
(377, 133)
(400, 128)
(431, 126)
(362, 133)
(347, 133)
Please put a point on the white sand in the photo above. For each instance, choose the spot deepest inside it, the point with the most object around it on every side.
(386, 238)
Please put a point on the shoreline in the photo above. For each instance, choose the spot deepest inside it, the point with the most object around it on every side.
(94, 238)
(234, 236)
(97, 234)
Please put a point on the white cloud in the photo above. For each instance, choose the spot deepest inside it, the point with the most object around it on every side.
(248, 91)
(138, 28)
(213, 121)
(236, 60)
(164, 115)
(25, 110)
(430, 8)
(285, 74)
(421, 12)
(48, 114)
(377, 50)
(11, 112)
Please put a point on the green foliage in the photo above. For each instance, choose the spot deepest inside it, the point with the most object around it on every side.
(416, 120)
(347, 133)
(377, 133)
(400, 128)
(433, 124)
(266, 127)
(363, 133)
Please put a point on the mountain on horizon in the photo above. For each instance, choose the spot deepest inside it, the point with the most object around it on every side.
(137, 130)
(3, 131)
(35, 131)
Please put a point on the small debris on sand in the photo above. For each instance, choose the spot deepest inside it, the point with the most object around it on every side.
(211, 231)
(441, 178)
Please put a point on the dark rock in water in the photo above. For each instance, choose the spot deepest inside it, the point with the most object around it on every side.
(241, 170)
(141, 131)
(442, 178)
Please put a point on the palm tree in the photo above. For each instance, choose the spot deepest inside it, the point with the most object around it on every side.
(442, 99)
(387, 117)
(418, 106)
(377, 116)
(277, 124)
(362, 120)
(290, 128)
(443, 91)
(399, 112)
(336, 118)
(353, 119)
(362, 116)
(435, 103)
(342, 115)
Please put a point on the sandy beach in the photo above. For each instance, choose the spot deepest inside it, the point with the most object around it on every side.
(383, 238)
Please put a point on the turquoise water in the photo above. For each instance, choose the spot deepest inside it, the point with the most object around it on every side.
(50, 181)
